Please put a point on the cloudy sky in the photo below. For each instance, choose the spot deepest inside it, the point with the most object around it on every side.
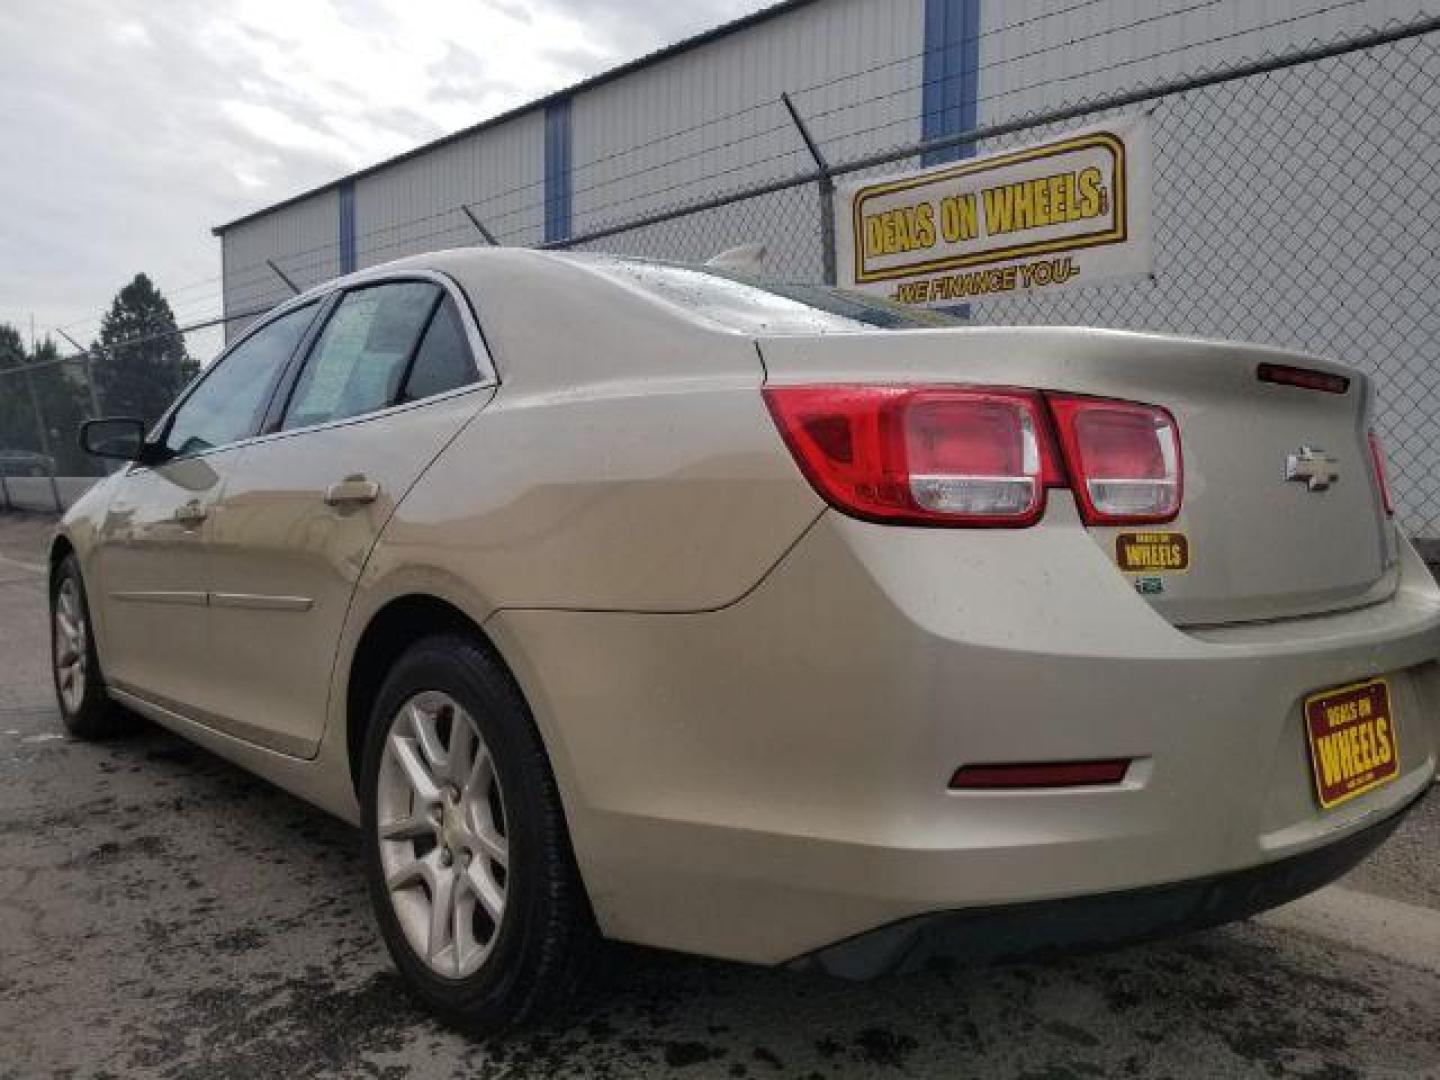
(130, 127)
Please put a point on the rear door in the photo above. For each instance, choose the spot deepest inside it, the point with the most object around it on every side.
(394, 374)
(152, 559)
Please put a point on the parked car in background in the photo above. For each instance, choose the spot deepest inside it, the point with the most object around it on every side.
(622, 599)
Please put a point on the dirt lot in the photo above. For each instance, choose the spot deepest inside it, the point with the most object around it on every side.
(164, 914)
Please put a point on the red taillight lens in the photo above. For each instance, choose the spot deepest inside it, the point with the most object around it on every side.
(921, 455)
(1382, 473)
(1123, 459)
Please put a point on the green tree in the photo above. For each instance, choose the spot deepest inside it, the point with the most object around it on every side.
(17, 416)
(64, 403)
(142, 363)
(57, 388)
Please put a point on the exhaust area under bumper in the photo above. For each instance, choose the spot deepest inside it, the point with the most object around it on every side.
(1104, 920)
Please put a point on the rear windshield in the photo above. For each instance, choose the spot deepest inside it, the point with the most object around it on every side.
(741, 302)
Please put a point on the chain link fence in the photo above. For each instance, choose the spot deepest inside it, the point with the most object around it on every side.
(1294, 204)
(43, 404)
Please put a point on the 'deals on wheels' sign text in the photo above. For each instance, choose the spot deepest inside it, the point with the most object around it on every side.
(1066, 212)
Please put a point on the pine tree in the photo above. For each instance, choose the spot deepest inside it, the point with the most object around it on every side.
(17, 416)
(64, 403)
(144, 363)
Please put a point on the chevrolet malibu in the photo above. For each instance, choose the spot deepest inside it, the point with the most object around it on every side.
(622, 599)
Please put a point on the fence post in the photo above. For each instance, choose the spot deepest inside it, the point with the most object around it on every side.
(283, 276)
(826, 185)
(88, 368)
(480, 226)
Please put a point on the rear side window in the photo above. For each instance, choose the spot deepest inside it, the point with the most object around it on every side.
(443, 361)
(362, 355)
(227, 404)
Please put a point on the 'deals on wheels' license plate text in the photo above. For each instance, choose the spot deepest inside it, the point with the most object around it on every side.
(1352, 740)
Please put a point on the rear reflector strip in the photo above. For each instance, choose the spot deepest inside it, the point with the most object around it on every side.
(1304, 378)
(1382, 473)
(1028, 774)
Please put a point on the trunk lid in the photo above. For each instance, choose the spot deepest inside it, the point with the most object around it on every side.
(1257, 545)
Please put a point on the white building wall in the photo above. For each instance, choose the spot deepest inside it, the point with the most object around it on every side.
(413, 205)
(302, 239)
(710, 120)
(1033, 59)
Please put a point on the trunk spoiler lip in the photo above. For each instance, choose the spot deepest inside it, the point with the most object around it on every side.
(1260, 352)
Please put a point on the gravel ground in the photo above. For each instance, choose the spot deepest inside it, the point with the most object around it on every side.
(164, 914)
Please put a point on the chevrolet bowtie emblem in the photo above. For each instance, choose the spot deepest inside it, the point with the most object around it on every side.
(1313, 466)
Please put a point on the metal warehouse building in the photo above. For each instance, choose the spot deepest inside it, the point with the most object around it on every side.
(705, 115)
(1295, 150)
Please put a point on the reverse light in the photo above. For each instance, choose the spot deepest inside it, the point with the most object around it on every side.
(942, 455)
(1123, 459)
(1382, 472)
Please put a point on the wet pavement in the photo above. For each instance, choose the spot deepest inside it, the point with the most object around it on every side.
(164, 914)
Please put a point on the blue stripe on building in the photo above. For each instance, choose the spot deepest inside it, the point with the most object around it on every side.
(951, 74)
(347, 226)
(557, 170)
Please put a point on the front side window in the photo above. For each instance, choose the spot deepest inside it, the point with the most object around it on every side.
(228, 403)
(362, 355)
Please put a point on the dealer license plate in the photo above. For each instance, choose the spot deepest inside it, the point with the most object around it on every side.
(1352, 740)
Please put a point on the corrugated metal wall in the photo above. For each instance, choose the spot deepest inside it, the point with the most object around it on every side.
(300, 238)
(673, 131)
(413, 206)
(1037, 54)
(708, 120)
(711, 119)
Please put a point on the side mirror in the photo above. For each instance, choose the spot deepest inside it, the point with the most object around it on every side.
(114, 437)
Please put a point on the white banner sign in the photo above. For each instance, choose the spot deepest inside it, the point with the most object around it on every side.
(1051, 216)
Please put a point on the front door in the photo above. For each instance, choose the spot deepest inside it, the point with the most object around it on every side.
(151, 570)
(388, 383)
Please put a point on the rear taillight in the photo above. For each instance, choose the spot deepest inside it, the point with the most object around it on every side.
(979, 456)
(921, 455)
(1123, 458)
(1382, 473)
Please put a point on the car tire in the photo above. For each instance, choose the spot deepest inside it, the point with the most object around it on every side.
(487, 972)
(85, 708)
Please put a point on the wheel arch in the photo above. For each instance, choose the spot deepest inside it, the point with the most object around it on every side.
(390, 630)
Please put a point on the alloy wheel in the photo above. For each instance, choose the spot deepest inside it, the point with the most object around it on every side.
(442, 834)
(71, 645)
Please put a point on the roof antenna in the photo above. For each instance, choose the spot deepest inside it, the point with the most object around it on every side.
(747, 258)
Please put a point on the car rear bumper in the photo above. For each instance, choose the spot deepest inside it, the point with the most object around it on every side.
(761, 781)
(1039, 928)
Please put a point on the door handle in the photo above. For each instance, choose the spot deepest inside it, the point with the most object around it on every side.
(352, 491)
(190, 513)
